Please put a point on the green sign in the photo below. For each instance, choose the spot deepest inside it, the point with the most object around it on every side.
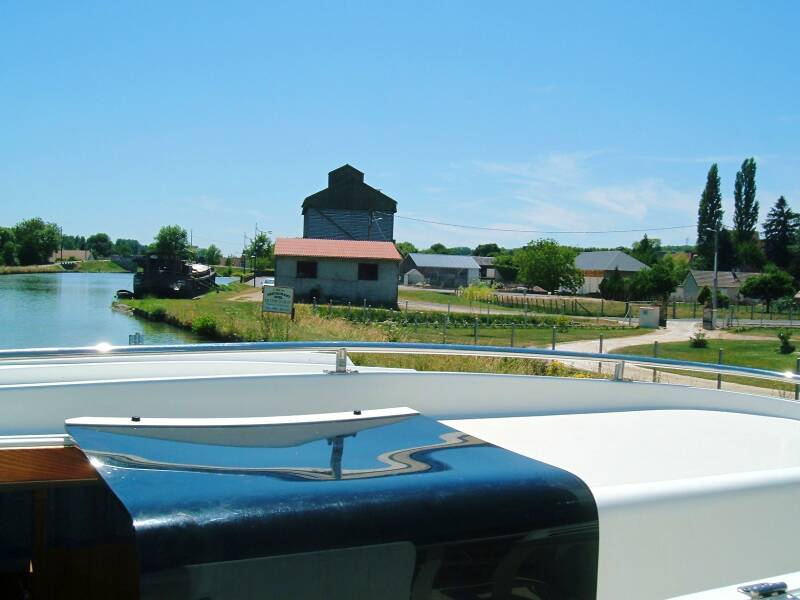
(278, 299)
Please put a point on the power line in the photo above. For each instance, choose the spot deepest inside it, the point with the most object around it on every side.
(461, 226)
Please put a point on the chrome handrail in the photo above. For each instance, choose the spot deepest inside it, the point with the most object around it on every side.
(405, 348)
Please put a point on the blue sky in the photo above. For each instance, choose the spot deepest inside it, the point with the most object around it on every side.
(123, 116)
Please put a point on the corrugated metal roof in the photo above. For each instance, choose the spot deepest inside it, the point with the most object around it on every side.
(443, 261)
(725, 279)
(484, 261)
(347, 190)
(608, 260)
(317, 248)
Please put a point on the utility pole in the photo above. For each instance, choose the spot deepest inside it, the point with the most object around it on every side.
(714, 292)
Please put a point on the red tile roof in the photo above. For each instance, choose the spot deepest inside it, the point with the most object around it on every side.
(336, 249)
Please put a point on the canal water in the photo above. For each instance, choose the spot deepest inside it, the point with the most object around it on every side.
(73, 309)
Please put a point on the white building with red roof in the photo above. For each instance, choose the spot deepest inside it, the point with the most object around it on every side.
(339, 270)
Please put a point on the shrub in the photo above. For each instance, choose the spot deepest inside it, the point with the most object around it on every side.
(785, 336)
(704, 297)
(159, 313)
(698, 340)
(205, 325)
(477, 292)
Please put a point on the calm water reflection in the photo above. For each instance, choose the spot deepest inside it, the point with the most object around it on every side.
(72, 309)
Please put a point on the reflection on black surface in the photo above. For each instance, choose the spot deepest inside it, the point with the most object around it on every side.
(395, 462)
(482, 522)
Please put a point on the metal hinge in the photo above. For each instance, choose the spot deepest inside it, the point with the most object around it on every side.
(341, 364)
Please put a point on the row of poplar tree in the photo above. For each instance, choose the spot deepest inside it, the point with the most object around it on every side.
(740, 247)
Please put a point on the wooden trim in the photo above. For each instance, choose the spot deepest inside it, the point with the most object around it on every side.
(39, 465)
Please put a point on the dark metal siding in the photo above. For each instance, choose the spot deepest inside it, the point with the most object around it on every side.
(337, 224)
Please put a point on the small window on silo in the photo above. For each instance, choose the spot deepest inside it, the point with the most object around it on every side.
(367, 271)
(306, 269)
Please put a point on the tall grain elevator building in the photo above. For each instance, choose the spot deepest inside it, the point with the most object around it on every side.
(349, 209)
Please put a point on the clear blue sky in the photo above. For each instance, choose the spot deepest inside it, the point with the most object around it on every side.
(123, 116)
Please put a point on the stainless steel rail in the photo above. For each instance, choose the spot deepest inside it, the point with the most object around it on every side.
(620, 360)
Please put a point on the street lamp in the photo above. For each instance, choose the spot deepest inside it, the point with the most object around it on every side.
(254, 269)
(714, 291)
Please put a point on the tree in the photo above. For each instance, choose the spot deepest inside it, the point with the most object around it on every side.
(405, 248)
(726, 255)
(745, 212)
(125, 247)
(657, 282)
(504, 264)
(262, 248)
(709, 218)
(172, 242)
(780, 232)
(749, 256)
(8, 246)
(100, 245)
(213, 255)
(487, 250)
(436, 249)
(549, 265)
(613, 286)
(770, 285)
(36, 241)
(646, 250)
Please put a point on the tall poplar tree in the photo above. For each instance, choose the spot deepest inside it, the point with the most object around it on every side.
(709, 218)
(780, 232)
(745, 215)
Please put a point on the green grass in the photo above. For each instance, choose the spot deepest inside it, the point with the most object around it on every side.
(760, 354)
(86, 266)
(443, 298)
(15, 270)
(216, 316)
(468, 364)
(523, 336)
(99, 266)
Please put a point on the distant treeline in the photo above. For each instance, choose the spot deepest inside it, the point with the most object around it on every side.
(34, 241)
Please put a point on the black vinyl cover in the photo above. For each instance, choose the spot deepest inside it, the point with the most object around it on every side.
(454, 497)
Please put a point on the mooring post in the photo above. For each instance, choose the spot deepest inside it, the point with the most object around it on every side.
(719, 375)
(655, 355)
(553, 343)
(600, 363)
(475, 332)
(444, 330)
(513, 332)
(797, 372)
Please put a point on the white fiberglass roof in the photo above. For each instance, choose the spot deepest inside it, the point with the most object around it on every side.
(635, 447)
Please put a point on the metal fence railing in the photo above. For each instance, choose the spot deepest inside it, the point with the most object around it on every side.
(618, 362)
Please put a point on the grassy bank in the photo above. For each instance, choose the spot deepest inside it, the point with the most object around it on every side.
(444, 298)
(86, 266)
(216, 316)
(99, 266)
(760, 354)
(468, 364)
(19, 270)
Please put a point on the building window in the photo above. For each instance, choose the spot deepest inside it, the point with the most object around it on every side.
(306, 269)
(367, 272)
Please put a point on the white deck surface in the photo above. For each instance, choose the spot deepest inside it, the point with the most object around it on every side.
(636, 447)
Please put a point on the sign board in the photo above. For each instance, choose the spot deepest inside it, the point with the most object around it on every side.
(278, 299)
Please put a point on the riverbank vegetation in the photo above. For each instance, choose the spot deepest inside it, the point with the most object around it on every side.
(86, 266)
(759, 354)
(219, 316)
